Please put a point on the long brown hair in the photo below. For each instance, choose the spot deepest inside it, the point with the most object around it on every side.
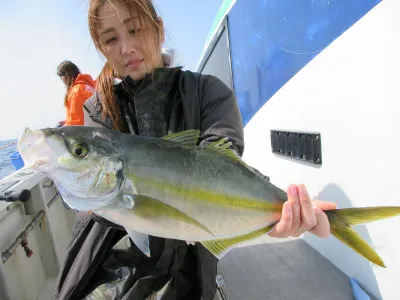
(149, 37)
(70, 71)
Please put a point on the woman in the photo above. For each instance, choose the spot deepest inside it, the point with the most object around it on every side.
(140, 92)
(79, 88)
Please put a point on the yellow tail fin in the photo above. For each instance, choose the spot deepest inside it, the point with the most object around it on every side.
(341, 219)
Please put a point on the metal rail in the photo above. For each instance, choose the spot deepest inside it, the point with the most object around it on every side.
(22, 238)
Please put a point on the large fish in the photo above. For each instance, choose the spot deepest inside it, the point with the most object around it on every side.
(169, 187)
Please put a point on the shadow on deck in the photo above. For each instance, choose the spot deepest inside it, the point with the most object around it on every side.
(282, 271)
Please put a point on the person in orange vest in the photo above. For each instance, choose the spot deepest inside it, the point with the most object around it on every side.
(79, 88)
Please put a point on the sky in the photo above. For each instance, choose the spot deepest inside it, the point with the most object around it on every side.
(37, 35)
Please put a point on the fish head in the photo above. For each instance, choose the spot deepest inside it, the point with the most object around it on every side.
(84, 162)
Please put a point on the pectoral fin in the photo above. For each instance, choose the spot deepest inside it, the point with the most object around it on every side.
(152, 209)
(141, 241)
(222, 246)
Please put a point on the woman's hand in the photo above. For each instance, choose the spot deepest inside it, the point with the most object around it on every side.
(301, 214)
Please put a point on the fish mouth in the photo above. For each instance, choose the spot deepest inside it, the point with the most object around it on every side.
(34, 149)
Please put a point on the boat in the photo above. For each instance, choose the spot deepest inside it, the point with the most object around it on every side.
(316, 84)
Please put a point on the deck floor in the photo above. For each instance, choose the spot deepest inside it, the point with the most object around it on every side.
(279, 271)
(282, 271)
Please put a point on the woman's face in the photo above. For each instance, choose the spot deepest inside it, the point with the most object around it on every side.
(118, 34)
(64, 79)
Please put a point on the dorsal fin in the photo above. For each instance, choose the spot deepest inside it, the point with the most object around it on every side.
(223, 146)
(187, 137)
(190, 137)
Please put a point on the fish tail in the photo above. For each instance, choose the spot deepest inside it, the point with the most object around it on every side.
(342, 219)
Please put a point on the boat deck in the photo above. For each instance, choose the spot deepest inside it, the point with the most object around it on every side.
(282, 271)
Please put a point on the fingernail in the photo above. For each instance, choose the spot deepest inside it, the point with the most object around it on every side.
(303, 190)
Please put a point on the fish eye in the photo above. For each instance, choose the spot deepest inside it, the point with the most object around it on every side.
(79, 151)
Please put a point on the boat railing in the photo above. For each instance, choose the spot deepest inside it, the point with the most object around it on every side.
(36, 229)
